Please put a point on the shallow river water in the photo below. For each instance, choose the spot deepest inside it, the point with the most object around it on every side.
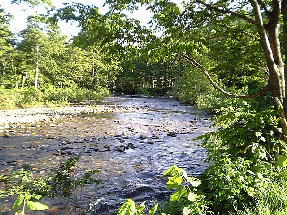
(132, 141)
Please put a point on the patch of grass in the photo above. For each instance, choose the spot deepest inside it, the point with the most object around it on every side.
(49, 96)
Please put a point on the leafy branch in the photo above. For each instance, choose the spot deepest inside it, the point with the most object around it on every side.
(217, 87)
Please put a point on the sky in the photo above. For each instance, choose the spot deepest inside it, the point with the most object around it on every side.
(20, 13)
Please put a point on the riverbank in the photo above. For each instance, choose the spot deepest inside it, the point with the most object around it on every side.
(49, 96)
(11, 118)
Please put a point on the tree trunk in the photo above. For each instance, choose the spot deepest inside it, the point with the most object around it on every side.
(284, 15)
(4, 68)
(37, 67)
(271, 47)
(15, 73)
(24, 80)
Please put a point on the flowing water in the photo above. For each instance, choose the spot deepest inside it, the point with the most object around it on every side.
(131, 140)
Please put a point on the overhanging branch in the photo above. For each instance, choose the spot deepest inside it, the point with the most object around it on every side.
(226, 11)
(217, 87)
(237, 31)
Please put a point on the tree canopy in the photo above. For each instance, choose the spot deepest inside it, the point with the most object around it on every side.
(228, 57)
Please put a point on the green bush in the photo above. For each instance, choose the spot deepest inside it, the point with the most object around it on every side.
(48, 94)
(193, 88)
(249, 130)
(29, 97)
(271, 195)
(186, 198)
(243, 153)
(248, 166)
(30, 189)
(8, 99)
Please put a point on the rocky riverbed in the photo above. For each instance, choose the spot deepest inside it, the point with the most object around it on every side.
(131, 140)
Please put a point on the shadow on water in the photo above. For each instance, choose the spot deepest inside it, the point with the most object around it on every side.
(132, 145)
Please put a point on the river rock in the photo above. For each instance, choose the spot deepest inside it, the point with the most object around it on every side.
(94, 149)
(172, 134)
(142, 137)
(155, 136)
(121, 148)
(117, 136)
(57, 153)
(131, 146)
(11, 162)
(107, 148)
(66, 148)
(88, 151)
(66, 153)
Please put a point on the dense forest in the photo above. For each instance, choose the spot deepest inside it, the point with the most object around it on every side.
(226, 57)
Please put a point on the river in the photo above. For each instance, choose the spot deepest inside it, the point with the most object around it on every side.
(131, 140)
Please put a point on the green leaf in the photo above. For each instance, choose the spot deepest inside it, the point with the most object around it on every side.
(140, 207)
(174, 182)
(192, 197)
(180, 192)
(193, 181)
(172, 170)
(128, 208)
(263, 139)
(38, 197)
(258, 134)
(186, 211)
(18, 201)
(153, 210)
(251, 191)
(36, 206)
(282, 161)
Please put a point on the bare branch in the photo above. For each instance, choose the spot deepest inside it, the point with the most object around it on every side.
(226, 11)
(216, 86)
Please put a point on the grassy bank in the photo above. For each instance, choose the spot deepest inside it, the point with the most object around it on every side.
(48, 96)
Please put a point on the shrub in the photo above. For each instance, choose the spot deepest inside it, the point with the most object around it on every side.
(30, 189)
(243, 153)
(248, 166)
(8, 98)
(271, 196)
(193, 88)
(185, 200)
(248, 130)
(27, 97)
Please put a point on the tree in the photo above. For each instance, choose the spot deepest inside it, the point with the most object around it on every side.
(32, 46)
(6, 51)
(112, 39)
(32, 2)
(267, 18)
